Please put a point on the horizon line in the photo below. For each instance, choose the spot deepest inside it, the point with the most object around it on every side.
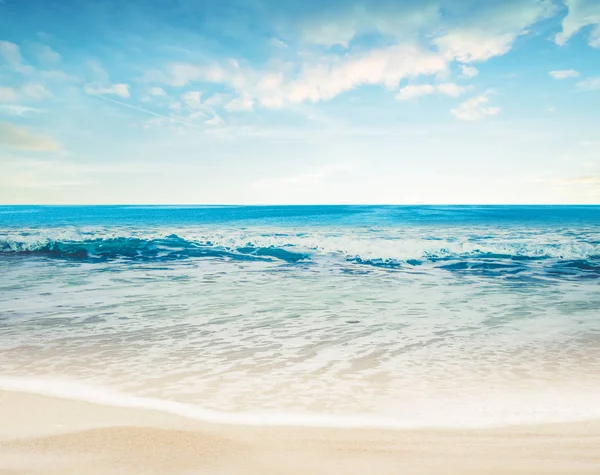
(287, 204)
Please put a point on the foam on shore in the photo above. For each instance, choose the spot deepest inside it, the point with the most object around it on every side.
(496, 409)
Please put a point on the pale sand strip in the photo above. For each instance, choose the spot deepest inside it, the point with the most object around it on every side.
(49, 436)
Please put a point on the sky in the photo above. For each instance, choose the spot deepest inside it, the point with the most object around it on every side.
(299, 101)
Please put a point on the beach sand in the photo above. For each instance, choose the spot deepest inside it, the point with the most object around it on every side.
(45, 435)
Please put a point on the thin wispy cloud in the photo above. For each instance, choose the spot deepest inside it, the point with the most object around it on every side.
(564, 74)
(469, 71)
(476, 108)
(46, 54)
(589, 84)
(10, 53)
(18, 110)
(157, 91)
(35, 91)
(121, 90)
(8, 94)
(168, 118)
(20, 138)
(412, 92)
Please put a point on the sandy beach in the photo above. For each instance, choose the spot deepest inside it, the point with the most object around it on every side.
(45, 435)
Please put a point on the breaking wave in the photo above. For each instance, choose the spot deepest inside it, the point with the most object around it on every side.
(168, 248)
(479, 254)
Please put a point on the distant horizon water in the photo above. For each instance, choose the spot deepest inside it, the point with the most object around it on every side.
(290, 205)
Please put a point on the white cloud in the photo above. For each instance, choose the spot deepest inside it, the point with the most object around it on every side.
(8, 94)
(563, 73)
(47, 54)
(590, 84)
(58, 75)
(214, 121)
(278, 43)
(491, 31)
(473, 28)
(157, 91)
(181, 74)
(216, 99)
(32, 91)
(451, 89)
(317, 79)
(35, 91)
(491, 28)
(11, 53)
(98, 73)
(469, 71)
(475, 108)
(197, 115)
(242, 103)
(192, 99)
(581, 13)
(18, 110)
(339, 26)
(332, 76)
(467, 46)
(20, 138)
(270, 81)
(121, 90)
(411, 92)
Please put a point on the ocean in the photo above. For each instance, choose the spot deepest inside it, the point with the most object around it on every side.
(377, 316)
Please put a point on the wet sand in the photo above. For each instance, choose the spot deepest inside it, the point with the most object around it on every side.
(46, 435)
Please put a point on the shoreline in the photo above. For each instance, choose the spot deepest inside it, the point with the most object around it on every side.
(48, 435)
(542, 408)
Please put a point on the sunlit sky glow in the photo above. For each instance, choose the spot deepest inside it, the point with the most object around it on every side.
(299, 101)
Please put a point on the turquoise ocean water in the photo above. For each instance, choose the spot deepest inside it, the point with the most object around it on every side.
(389, 316)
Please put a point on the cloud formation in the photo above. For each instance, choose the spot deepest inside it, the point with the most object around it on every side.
(476, 108)
(469, 71)
(563, 73)
(121, 90)
(581, 13)
(10, 53)
(240, 104)
(35, 91)
(8, 94)
(316, 79)
(157, 91)
(47, 55)
(411, 92)
(421, 39)
(20, 138)
(589, 84)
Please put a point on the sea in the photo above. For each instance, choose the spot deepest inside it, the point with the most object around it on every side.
(341, 316)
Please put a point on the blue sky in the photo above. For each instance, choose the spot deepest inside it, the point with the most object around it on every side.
(299, 101)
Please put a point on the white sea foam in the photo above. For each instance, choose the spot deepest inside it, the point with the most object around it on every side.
(495, 409)
(399, 245)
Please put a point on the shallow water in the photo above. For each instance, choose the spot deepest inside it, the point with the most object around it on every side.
(350, 315)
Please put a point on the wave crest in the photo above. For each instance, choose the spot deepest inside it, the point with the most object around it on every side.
(168, 248)
(487, 255)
